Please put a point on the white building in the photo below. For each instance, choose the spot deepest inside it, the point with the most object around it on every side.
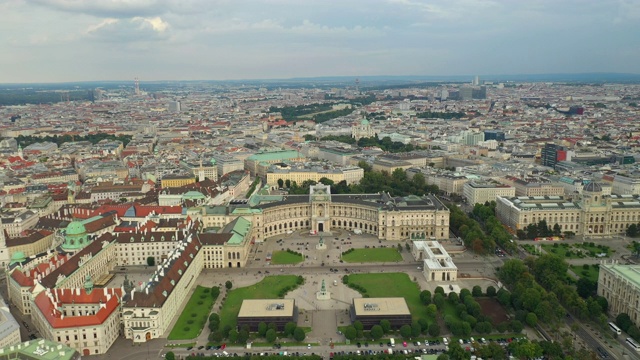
(620, 285)
(9, 327)
(438, 265)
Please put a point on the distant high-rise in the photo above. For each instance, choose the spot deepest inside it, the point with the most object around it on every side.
(476, 80)
(466, 93)
(552, 154)
(174, 106)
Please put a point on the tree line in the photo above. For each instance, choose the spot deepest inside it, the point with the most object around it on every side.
(26, 140)
(396, 184)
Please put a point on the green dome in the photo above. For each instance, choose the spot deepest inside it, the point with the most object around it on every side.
(364, 122)
(18, 256)
(75, 228)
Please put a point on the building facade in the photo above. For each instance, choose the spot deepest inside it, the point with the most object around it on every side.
(479, 193)
(592, 214)
(620, 285)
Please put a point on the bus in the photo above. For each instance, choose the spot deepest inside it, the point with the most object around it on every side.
(633, 344)
(614, 328)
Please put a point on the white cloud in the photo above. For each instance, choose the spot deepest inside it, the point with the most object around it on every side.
(131, 30)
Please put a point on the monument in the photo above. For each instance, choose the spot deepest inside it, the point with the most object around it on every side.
(321, 245)
(323, 294)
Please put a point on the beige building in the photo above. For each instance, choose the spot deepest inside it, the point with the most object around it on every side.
(362, 129)
(626, 185)
(35, 242)
(351, 175)
(479, 193)
(594, 214)
(390, 165)
(17, 222)
(620, 285)
(533, 187)
(9, 327)
(381, 215)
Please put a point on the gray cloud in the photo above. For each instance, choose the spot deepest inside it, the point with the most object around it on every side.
(216, 39)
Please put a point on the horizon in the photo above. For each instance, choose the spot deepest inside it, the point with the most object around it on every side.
(66, 41)
(588, 77)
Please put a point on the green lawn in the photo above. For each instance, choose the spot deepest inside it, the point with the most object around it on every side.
(268, 288)
(393, 285)
(561, 250)
(591, 274)
(593, 248)
(373, 255)
(284, 258)
(194, 316)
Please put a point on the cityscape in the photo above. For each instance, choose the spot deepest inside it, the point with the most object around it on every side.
(431, 180)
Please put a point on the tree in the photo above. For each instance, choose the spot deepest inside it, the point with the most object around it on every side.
(358, 325)
(632, 231)
(531, 319)
(228, 284)
(151, 261)
(623, 321)
(425, 297)
(443, 357)
(299, 334)
(170, 356)
(215, 292)
(399, 248)
(405, 331)
(439, 290)
(243, 336)
(491, 291)
(270, 335)
(376, 332)
(416, 329)
(214, 322)
(477, 291)
(233, 335)
(516, 326)
(289, 328)
(432, 309)
(585, 287)
(262, 328)
(287, 183)
(456, 352)
(226, 330)
(386, 326)
(215, 336)
(504, 297)
(464, 293)
(434, 329)
(453, 298)
(350, 332)
(280, 183)
(438, 300)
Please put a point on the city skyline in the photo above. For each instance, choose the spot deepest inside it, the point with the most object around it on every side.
(67, 40)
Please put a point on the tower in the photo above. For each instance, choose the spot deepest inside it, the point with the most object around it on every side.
(20, 154)
(137, 86)
(4, 251)
(201, 176)
(357, 85)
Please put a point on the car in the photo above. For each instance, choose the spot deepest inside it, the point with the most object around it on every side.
(381, 344)
(200, 347)
(366, 344)
(189, 348)
(358, 344)
(123, 269)
(417, 343)
(404, 343)
(308, 346)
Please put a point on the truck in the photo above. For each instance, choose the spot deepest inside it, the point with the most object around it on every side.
(357, 231)
(392, 342)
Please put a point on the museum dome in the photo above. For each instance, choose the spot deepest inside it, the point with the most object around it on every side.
(592, 187)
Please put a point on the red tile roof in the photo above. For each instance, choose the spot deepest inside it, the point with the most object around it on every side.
(49, 301)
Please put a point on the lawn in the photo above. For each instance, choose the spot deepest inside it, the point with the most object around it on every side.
(591, 274)
(285, 258)
(393, 285)
(372, 255)
(268, 288)
(595, 249)
(450, 309)
(194, 316)
(561, 250)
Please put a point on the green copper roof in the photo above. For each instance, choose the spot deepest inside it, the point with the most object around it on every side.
(75, 228)
(274, 155)
(628, 272)
(18, 257)
(240, 230)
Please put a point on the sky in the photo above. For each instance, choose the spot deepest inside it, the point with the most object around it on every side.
(78, 40)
